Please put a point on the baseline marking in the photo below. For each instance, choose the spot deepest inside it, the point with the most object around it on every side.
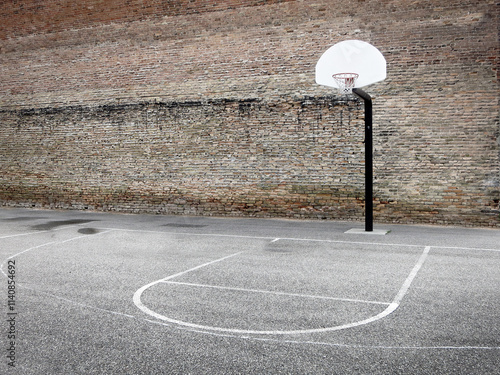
(274, 239)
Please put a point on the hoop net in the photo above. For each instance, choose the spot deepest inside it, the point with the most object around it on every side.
(345, 81)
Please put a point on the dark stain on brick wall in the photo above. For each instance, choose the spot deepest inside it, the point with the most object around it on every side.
(300, 158)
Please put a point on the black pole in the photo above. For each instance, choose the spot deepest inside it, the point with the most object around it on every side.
(368, 159)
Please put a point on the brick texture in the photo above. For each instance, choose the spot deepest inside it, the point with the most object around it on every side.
(210, 108)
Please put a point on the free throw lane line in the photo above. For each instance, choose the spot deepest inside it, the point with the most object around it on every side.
(274, 292)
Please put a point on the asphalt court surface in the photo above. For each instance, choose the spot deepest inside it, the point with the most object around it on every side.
(142, 294)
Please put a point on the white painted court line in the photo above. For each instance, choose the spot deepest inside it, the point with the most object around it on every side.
(399, 296)
(192, 234)
(38, 232)
(275, 293)
(24, 251)
(82, 304)
(268, 339)
(200, 266)
(326, 343)
(138, 293)
(382, 347)
(389, 309)
(466, 248)
(46, 244)
(274, 239)
(406, 285)
(22, 234)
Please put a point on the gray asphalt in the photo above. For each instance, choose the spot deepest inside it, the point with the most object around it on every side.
(100, 293)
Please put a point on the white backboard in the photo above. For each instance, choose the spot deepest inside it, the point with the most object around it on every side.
(351, 56)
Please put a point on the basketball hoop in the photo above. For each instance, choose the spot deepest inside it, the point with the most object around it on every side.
(370, 67)
(345, 81)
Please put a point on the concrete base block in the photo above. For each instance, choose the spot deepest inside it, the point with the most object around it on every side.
(377, 232)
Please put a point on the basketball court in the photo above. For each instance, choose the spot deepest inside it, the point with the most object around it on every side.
(103, 293)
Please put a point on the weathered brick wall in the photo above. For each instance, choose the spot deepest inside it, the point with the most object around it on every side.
(211, 108)
(300, 158)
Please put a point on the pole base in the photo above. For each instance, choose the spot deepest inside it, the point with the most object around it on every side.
(376, 232)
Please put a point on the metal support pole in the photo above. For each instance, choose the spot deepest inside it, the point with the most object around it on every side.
(368, 159)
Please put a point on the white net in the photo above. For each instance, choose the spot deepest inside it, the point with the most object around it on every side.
(345, 81)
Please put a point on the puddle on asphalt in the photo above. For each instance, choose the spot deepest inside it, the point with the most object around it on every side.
(23, 218)
(88, 231)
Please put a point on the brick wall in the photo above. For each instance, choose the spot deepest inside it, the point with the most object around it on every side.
(300, 158)
(21, 18)
(211, 108)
